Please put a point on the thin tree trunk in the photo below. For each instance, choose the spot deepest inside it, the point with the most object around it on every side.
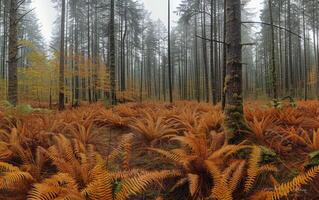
(273, 61)
(61, 74)
(169, 54)
(112, 55)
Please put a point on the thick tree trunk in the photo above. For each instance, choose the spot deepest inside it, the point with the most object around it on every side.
(233, 82)
(13, 52)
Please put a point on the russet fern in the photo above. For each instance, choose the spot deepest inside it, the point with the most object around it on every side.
(284, 189)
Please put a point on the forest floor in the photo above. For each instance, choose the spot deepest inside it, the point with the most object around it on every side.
(158, 151)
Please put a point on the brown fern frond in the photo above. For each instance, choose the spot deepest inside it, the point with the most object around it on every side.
(193, 180)
(100, 188)
(58, 186)
(253, 168)
(138, 184)
(220, 189)
(284, 189)
(237, 176)
(267, 168)
(179, 183)
(260, 195)
(15, 180)
(176, 158)
(123, 148)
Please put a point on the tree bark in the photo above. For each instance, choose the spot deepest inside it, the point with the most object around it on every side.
(112, 55)
(233, 82)
(273, 60)
(61, 70)
(169, 55)
(13, 53)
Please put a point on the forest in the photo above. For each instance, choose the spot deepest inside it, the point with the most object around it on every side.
(219, 101)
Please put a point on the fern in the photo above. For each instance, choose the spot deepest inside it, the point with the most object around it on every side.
(220, 189)
(252, 171)
(291, 186)
(12, 178)
(138, 184)
(237, 176)
(193, 180)
(59, 186)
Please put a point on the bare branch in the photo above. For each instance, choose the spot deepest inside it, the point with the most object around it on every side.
(264, 23)
(210, 39)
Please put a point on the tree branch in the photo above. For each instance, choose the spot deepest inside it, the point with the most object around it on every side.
(210, 39)
(264, 23)
(24, 15)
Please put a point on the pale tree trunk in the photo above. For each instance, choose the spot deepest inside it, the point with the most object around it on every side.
(234, 120)
(13, 52)
(61, 72)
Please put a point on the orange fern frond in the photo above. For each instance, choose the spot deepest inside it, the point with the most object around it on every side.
(284, 189)
(253, 168)
(138, 184)
(220, 189)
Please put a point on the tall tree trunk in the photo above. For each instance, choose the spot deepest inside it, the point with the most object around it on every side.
(112, 54)
(204, 47)
(61, 76)
(76, 64)
(169, 55)
(13, 52)
(305, 56)
(273, 60)
(234, 102)
(196, 66)
(224, 60)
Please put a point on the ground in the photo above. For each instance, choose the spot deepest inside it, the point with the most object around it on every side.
(158, 151)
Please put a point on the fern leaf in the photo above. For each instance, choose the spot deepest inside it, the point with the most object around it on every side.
(193, 180)
(138, 184)
(303, 179)
(252, 171)
(220, 190)
(237, 175)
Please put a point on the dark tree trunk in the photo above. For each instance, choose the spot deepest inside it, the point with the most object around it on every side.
(169, 55)
(61, 76)
(273, 60)
(112, 55)
(13, 52)
(233, 82)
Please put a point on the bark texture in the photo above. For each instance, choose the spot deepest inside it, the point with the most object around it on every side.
(233, 82)
(13, 53)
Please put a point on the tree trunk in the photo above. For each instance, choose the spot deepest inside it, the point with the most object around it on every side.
(112, 55)
(273, 61)
(13, 52)
(169, 55)
(61, 76)
(233, 82)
